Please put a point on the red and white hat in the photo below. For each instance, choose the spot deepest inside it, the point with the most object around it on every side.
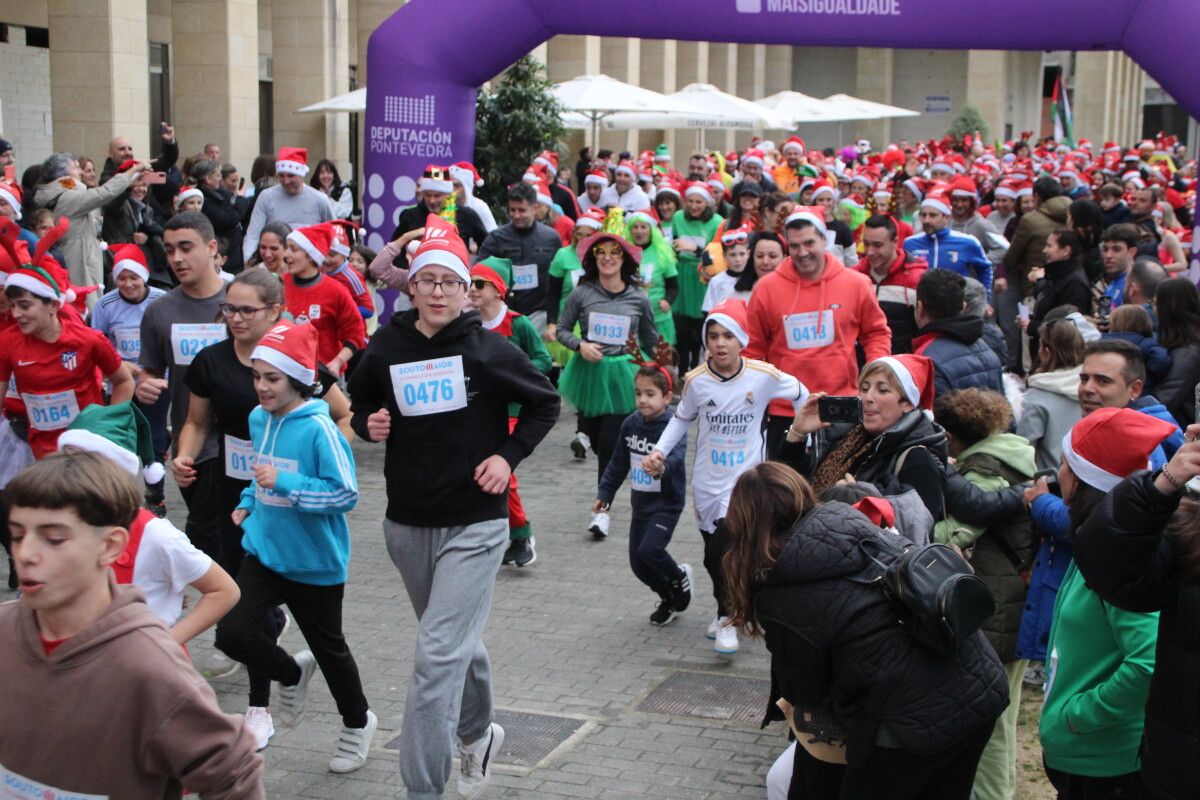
(669, 186)
(938, 199)
(593, 218)
(823, 186)
(962, 186)
(435, 179)
(292, 161)
(11, 193)
(315, 240)
(535, 174)
(754, 156)
(465, 171)
(291, 349)
(918, 186)
(549, 160)
(626, 167)
(543, 194)
(38, 282)
(597, 177)
(794, 143)
(1008, 188)
(814, 215)
(915, 374)
(645, 215)
(1111, 444)
(737, 236)
(343, 238)
(441, 246)
(701, 189)
(185, 193)
(731, 314)
(129, 257)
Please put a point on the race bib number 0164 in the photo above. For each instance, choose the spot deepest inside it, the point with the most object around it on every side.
(51, 412)
(429, 387)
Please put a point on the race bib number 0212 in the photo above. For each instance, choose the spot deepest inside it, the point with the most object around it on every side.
(429, 387)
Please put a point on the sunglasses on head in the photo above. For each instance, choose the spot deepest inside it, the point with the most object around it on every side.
(735, 238)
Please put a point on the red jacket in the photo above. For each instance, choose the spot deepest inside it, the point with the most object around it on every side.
(897, 296)
(818, 349)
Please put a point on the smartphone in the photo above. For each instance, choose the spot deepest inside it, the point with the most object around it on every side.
(1104, 308)
(839, 409)
(1023, 312)
(1052, 484)
(154, 177)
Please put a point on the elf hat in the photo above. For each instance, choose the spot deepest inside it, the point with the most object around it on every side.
(11, 193)
(597, 177)
(435, 179)
(794, 143)
(496, 271)
(915, 374)
(185, 193)
(662, 153)
(314, 240)
(938, 200)
(441, 246)
(814, 215)
(731, 314)
(119, 432)
(549, 160)
(1112, 443)
(291, 349)
(129, 257)
(343, 236)
(292, 161)
(593, 218)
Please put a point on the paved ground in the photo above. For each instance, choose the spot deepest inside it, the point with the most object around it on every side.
(568, 636)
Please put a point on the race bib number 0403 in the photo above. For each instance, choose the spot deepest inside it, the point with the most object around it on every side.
(429, 387)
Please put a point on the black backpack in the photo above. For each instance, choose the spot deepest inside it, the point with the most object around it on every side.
(938, 599)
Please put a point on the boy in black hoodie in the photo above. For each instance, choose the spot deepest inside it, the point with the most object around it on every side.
(435, 386)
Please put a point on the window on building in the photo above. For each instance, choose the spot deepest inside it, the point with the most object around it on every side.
(160, 91)
(266, 105)
(37, 37)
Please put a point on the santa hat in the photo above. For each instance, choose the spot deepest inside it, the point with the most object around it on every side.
(549, 160)
(1110, 444)
(597, 177)
(129, 257)
(626, 167)
(917, 186)
(962, 186)
(863, 145)
(662, 153)
(38, 282)
(466, 173)
(11, 193)
(669, 187)
(435, 179)
(814, 215)
(593, 218)
(794, 143)
(441, 246)
(878, 510)
(645, 215)
(823, 186)
(700, 189)
(1007, 189)
(291, 349)
(1111, 147)
(915, 375)
(185, 193)
(120, 433)
(882, 193)
(938, 200)
(292, 161)
(754, 156)
(315, 240)
(543, 194)
(942, 164)
(343, 239)
(496, 271)
(731, 314)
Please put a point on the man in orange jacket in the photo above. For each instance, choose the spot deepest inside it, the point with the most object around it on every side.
(807, 316)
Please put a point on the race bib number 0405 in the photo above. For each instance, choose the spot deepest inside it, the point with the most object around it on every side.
(429, 387)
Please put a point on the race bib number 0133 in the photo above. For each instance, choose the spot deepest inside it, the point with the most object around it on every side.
(608, 328)
(429, 387)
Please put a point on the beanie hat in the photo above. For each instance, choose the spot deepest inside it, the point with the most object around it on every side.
(119, 432)
(597, 177)
(129, 257)
(938, 200)
(314, 240)
(549, 160)
(496, 271)
(794, 143)
(292, 161)
(731, 314)
(290, 348)
(185, 193)
(435, 179)
(1112, 443)
(592, 218)
(915, 374)
(662, 153)
(5, 146)
(441, 246)
(814, 215)
(11, 193)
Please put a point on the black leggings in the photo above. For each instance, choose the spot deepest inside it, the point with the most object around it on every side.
(203, 505)
(903, 775)
(603, 431)
(715, 545)
(318, 613)
(648, 556)
(689, 341)
(1083, 787)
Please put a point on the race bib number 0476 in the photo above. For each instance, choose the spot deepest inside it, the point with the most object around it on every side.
(429, 387)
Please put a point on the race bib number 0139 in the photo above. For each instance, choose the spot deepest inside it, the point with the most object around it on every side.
(188, 340)
(810, 329)
(429, 387)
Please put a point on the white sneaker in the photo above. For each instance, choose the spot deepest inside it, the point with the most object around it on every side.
(475, 762)
(727, 638)
(354, 746)
(713, 627)
(599, 526)
(218, 665)
(258, 722)
(580, 445)
(293, 699)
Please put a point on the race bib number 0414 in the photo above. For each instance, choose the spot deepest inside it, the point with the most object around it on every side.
(429, 387)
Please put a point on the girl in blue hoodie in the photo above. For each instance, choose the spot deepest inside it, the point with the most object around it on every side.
(296, 540)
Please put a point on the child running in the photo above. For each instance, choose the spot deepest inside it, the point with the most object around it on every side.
(311, 296)
(657, 500)
(297, 541)
(729, 396)
(735, 246)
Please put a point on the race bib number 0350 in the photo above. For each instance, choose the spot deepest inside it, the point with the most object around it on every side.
(188, 340)
(429, 387)
(810, 329)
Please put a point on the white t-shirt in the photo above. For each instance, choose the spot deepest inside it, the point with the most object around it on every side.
(720, 287)
(730, 438)
(633, 200)
(166, 563)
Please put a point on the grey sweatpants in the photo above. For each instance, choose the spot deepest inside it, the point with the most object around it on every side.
(449, 574)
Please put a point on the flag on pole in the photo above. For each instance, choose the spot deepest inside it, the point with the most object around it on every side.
(1060, 112)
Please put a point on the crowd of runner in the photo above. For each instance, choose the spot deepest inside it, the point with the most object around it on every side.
(989, 354)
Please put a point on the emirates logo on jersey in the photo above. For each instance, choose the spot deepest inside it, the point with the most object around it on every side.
(70, 360)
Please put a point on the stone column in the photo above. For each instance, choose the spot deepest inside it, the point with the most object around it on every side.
(777, 73)
(620, 59)
(691, 66)
(658, 74)
(216, 77)
(876, 71)
(1107, 97)
(570, 57)
(987, 72)
(752, 82)
(723, 73)
(99, 75)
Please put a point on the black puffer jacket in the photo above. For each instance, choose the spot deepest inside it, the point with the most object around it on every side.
(1127, 557)
(836, 643)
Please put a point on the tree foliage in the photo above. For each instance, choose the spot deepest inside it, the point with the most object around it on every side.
(515, 119)
(968, 121)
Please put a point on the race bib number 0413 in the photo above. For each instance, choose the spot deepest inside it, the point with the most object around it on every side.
(810, 329)
(429, 387)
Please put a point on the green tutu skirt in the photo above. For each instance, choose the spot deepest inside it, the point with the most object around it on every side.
(560, 354)
(666, 327)
(601, 387)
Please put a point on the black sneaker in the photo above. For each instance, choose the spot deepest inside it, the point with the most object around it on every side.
(664, 614)
(510, 555)
(681, 589)
(523, 552)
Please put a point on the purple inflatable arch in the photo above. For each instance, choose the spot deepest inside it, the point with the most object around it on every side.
(427, 60)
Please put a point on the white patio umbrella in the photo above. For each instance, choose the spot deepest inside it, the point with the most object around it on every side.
(801, 108)
(866, 109)
(350, 102)
(599, 97)
(718, 110)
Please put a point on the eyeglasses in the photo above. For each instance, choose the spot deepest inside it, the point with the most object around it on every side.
(601, 251)
(449, 288)
(479, 283)
(735, 238)
(229, 311)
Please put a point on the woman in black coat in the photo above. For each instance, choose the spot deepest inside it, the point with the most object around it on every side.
(1065, 282)
(1177, 305)
(221, 208)
(913, 722)
(1140, 551)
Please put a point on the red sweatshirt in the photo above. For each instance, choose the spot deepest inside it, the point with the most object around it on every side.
(328, 305)
(816, 348)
